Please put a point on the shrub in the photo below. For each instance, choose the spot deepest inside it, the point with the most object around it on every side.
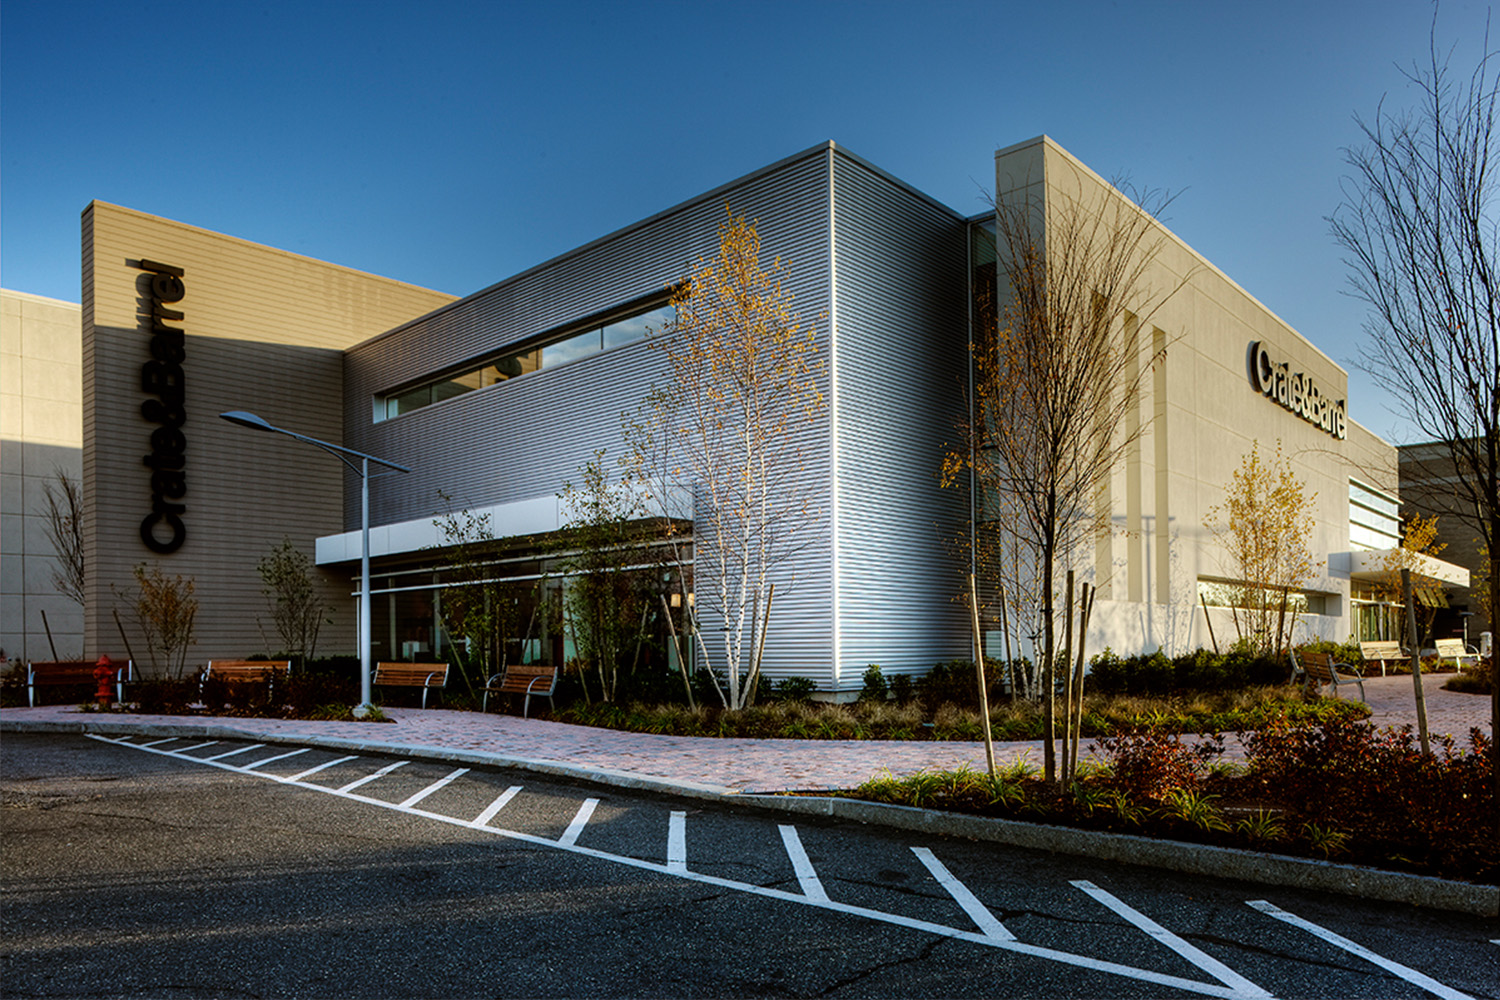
(1203, 670)
(795, 689)
(875, 687)
(903, 690)
(1477, 679)
(163, 697)
(1379, 789)
(953, 682)
(1149, 764)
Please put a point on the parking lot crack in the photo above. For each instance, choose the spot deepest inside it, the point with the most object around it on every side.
(922, 955)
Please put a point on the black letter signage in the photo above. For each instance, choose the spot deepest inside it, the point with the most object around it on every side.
(1295, 391)
(162, 377)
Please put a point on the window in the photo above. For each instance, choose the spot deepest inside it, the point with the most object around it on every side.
(1217, 593)
(556, 351)
(1374, 518)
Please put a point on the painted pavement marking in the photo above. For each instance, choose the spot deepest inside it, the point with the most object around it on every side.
(807, 876)
(677, 842)
(804, 899)
(200, 746)
(1410, 975)
(358, 782)
(280, 756)
(1201, 959)
(157, 743)
(227, 753)
(321, 767)
(575, 829)
(483, 819)
(976, 910)
(440, 783)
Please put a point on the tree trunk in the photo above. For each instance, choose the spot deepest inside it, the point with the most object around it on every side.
(984, 694)
(1416, 660)
(1067, 763)
(1049, 734)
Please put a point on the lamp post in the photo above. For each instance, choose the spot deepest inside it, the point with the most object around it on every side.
(363, 468)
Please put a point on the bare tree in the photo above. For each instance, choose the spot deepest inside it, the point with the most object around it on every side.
(297, 609)
(167, 612)
(720, 443)
(64, 527)
(1056, 376)
(1418, 224)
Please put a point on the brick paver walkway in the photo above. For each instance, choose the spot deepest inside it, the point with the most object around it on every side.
(747, 765)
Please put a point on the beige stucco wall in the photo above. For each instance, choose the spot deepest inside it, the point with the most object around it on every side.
(1210, 416)
(41, 434)
(265, 331)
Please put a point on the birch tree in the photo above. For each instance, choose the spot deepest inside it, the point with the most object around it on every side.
(719, 442)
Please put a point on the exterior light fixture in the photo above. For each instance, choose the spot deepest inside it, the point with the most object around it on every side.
(344, 455)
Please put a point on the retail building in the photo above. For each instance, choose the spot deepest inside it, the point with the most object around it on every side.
(495, 400)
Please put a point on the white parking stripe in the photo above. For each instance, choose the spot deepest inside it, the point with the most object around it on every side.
(677, 842)
(1410, 975)
(157, 743)
(232, 753)
(200, 746)
(434, 787)
(280, 756)
(483, 819)
(877, 916)
(575, 828)
(321, 767)
(371, 777)
(807, 876)
(1202, 960)
(976, 910)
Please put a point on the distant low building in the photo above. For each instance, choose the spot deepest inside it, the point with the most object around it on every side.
(41, 438)
(1428, 479)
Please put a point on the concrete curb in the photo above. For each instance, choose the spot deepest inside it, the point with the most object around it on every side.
(1196, 859)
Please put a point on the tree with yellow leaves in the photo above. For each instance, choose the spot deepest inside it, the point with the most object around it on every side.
(1265, 525)
(719, 444)
(1418, 544)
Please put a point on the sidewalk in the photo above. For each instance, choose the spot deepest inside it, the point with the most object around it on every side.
(726, 764)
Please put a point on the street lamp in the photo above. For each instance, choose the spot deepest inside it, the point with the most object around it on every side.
(341, 453)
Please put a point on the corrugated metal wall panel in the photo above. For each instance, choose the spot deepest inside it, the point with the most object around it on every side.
(526, 437)
(902, 360)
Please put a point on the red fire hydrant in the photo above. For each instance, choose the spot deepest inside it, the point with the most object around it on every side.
(104, 674)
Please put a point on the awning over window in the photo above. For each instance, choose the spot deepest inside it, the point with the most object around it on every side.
(1432, 597)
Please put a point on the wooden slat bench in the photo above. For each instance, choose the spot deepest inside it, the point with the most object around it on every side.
(1320, 670)
(243, 671)
(423, 675)
(60, 673)
(522, 678)
(1453, 649)
(1382, 653)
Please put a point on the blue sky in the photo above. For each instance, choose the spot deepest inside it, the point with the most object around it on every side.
(454, 144)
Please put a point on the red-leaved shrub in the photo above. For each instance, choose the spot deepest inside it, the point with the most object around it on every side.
(1148, 764)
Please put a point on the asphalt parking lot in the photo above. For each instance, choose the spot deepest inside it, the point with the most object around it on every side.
(138, 866)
